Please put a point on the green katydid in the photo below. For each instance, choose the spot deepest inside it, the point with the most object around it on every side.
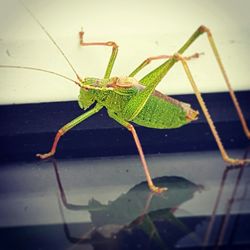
(128, 100)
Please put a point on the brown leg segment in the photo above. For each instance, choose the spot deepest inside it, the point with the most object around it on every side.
(224, 154)
(66, 128)
(144, 163)
(131, 128)
(82, 43)
(223, 71)
(54, 146)
(153, 58)
(109, 43)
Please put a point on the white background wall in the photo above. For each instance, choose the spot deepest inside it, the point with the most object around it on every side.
(141, 28)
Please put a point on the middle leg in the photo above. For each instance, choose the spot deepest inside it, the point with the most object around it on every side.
(131, 128)
(152, 58)
(66, 128)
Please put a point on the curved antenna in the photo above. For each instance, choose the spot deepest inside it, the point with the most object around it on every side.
(51, 39)
(42, 70)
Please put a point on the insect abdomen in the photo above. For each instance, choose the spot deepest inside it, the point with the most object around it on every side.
(159, 113)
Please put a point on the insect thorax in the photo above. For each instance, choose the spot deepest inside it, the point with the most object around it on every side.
(113, 93)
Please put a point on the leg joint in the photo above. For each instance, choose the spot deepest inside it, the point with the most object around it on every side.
(61, 132)
(178, 57)
(203, 29)
(147, 61)
(130, 127)
(113, 44)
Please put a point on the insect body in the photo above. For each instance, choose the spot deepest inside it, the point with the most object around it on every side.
(160, 111)
(130, 101)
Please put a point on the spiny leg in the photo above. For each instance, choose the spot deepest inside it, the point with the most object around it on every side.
(66, 128)
(152, 79)
(224, 154)
(231, 92)
(109, 43)
(131, 128)
(152, 187)
(160, 57)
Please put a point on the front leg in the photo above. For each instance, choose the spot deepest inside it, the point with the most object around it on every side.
(109, 43)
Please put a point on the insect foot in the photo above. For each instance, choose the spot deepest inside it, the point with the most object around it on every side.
(235, 162)
(248, 135)
(158, 190)
(45, 156)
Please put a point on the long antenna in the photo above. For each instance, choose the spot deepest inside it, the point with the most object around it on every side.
(51, 39)
(42, 70)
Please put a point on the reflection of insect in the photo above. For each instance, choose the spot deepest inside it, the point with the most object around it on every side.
(137, 217)
(128, 100)
(224, 227)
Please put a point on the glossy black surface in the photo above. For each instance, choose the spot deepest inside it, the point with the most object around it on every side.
(104, 203)
(79, 202)
(30, 128)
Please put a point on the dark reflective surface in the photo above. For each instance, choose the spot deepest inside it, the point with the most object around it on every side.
(104, 203)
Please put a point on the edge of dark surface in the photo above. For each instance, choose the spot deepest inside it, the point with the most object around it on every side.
(55, 236)
(28, 129)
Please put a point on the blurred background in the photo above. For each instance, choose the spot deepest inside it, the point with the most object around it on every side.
(141, 29)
